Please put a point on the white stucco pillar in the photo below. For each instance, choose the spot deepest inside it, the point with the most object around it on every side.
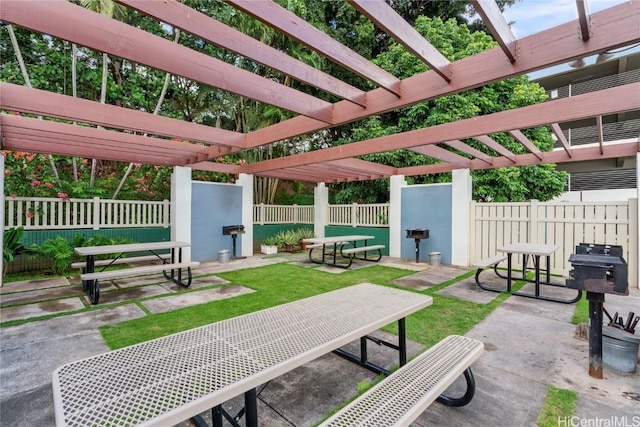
(395, 214)
(2, 214)
(181, 207)
(246, 181)
(320, 208)
(461, 191)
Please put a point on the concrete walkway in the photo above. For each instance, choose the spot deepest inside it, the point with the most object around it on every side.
(529, 345)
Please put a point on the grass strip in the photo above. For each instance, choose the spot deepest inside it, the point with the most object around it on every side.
(559, 405)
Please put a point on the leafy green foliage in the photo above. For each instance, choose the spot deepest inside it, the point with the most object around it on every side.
(12, 245)
(455, 41)
(58, 252)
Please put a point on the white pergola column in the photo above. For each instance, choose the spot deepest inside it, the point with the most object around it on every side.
(634, 232)
(396, 182)
(461, 192)
(181, 207)
(2, 214)
(246, 181)
(320, 208)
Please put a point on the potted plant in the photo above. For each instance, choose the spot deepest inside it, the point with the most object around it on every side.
(269, 246)
(305, 233)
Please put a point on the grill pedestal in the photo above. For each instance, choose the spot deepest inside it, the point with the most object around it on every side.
(598, 269)
(233, 231)
(417, 234)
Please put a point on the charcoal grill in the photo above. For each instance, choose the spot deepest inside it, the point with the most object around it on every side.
(417, 234)
(233, 231)
(598, 269)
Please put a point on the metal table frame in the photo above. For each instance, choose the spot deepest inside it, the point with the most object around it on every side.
(338, 242)
(92, 287)
(168, 380)
(536, 251)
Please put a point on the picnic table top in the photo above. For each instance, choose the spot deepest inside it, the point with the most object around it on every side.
(338, 239)
(168, 380)
(129, 247)
(529, 249)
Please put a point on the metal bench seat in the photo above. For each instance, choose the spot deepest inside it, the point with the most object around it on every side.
(405, 394)
(112, 274)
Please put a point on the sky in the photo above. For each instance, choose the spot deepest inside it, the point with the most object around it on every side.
(532, 16)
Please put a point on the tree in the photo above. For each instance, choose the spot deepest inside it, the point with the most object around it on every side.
(455, 41)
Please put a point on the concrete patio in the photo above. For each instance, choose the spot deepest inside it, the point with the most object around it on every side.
(529, 345)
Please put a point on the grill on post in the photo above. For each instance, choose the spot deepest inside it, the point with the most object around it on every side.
(598, 269)
(233, 231)
(417, 234)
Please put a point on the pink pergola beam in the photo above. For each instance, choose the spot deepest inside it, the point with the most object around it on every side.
(383, 15)
(213, 31)
(497, 25)
(275, 16)
(436, 152)
(608, 101)
(613, 27)
(66, 21)
(43, 103)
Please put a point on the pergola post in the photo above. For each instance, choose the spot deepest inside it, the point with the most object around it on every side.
(246, 181)
(2, 214)
(320, 209)
(461, 192)
(395, 214)
(181, 208)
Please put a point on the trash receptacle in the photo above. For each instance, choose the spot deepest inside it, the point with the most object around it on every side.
(434, 258)
(223, 256)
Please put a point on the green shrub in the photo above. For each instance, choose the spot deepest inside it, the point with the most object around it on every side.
(13, 247)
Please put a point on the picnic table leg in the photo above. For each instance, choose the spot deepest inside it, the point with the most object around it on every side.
(536, 261)
(509, 267)
(251, 406)
(402, 341)
(91, 287)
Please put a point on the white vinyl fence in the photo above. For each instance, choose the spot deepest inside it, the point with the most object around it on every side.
(282, 214)
(58, 214)
(357, 215)
(565, 224)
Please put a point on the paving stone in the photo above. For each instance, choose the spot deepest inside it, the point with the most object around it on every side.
(40, 295)
(431, 277)
(28, 285)
(468, 290)
(173, 302)
(40, 309)
(196, 283)
(130, 294)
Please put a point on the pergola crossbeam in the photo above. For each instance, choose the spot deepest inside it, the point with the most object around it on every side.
(277, 17)
(215, 32)
(387, 19)
(497, 25)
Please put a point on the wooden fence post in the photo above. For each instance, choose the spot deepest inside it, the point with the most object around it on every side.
(533, 222)
(166, 206)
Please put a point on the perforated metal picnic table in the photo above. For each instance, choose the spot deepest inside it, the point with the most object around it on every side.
(165, 381)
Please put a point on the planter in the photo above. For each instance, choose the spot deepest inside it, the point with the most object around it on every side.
(269, 249)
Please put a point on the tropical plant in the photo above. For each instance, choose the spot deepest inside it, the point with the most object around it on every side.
(287, 240)
(270, 241)
(58, 252)
(305, 233)
(13, 247)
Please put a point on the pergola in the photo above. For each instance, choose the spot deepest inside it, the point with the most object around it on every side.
(590, 34)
